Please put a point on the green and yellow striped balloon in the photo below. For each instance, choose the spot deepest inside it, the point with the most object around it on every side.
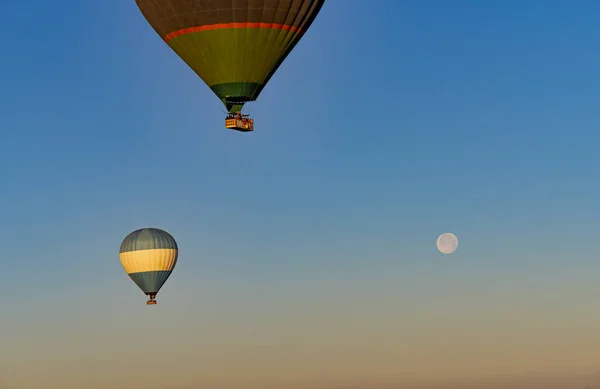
(235, 46)
(148, 256)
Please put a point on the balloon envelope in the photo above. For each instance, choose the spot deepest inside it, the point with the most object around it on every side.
(148, 256)
(234, 46)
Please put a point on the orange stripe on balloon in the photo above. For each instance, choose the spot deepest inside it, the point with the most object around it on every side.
(218, 26)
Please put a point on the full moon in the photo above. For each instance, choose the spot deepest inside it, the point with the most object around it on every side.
(447, 243)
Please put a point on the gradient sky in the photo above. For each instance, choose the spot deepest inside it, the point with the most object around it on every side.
(307, 248)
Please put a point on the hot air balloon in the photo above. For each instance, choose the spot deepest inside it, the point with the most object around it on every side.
(148, 256)
(234, 46)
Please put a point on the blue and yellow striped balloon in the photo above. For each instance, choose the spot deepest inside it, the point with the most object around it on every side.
(148, 256)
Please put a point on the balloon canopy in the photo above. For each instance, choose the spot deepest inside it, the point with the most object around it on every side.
(148, 256)
(234, 46)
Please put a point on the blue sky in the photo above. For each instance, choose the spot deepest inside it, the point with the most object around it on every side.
(389, 124)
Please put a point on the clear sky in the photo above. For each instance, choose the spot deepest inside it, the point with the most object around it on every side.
(307, 248)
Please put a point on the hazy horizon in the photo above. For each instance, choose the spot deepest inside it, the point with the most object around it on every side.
(307, 249)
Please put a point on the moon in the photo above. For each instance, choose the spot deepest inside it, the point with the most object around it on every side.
(447, 243)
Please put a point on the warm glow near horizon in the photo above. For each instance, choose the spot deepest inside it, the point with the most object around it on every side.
(306, 250)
